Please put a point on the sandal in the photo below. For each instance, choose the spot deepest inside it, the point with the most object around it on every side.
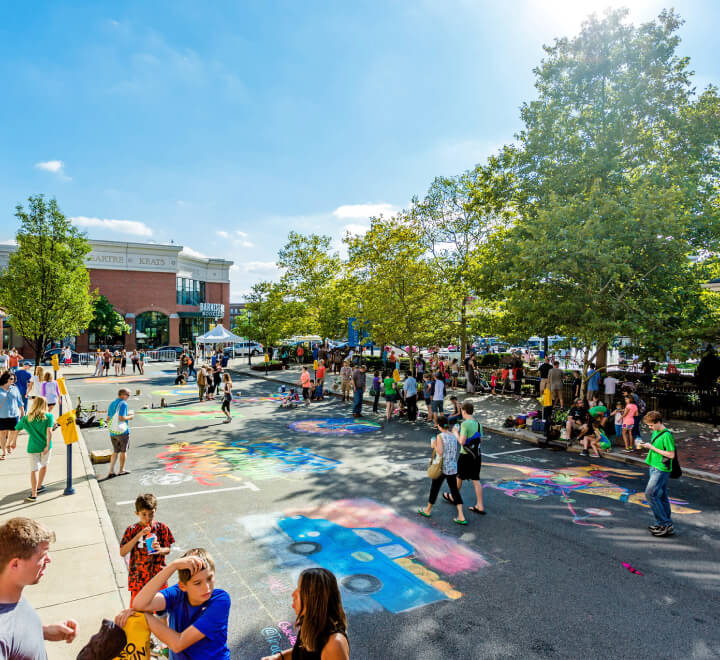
(460, 522)
(446, 497)
(123, 472)
(474, 509)
(422, 513)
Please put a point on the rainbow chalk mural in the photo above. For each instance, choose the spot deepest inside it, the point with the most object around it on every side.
(177, 390)
(335, 426)
(537, 483)
(211, 461)
(383, 561)
(198, 411)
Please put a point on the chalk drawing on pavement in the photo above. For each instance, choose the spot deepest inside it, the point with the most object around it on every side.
(335, 426)
(211, 460)
(164, 478)
(276, 397)
(116, 379)
(537, 483)
(177, 390)
(383, 561)
(205, 410)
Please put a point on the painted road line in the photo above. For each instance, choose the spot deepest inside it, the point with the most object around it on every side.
(514, 451)
(249, 485)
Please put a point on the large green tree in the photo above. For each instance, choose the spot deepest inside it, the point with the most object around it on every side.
(394, 281)
(269, 315)
(455, 217)
(46, 286)
(106, 323)
(312, 273)
(615, 182)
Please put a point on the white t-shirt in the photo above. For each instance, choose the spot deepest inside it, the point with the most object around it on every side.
(610, 384)
(439, 394)
(4, 361)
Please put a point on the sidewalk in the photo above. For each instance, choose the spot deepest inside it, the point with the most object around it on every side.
(86, 579)
(698, 444)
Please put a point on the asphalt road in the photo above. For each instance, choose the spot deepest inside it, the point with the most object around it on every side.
(540, 576)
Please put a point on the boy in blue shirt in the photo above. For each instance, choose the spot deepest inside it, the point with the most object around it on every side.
(198, 612)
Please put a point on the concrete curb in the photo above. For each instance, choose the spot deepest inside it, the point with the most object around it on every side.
(117, 564)
(518, 434)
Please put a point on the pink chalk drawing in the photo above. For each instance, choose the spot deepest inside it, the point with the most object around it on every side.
(435, 549)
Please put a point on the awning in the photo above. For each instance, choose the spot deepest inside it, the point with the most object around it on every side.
(218, 335)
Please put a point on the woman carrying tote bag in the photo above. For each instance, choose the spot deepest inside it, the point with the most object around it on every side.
(445, 445)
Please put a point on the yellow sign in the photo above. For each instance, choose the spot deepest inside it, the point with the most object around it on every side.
(61, 386)
(55, 361)
(68, 427)
(138, 639)
(315, 365)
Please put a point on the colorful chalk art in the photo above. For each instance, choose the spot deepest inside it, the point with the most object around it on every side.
(177, 390)
(206, 410)
(103, 380)
(537, 483)
(383, 561)
(211, 461)
(335, 426)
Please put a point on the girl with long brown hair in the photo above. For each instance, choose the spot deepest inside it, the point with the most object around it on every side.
(320, 622)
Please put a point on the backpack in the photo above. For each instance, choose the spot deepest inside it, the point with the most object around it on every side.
(642, 407)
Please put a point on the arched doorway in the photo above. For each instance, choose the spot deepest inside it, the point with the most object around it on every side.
(152, 329)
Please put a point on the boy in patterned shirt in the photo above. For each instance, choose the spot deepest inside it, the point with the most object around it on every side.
(145, 565)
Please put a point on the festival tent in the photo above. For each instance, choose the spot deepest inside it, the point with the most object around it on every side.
(218, 335)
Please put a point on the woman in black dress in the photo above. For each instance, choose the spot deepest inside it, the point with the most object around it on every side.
(321, 623)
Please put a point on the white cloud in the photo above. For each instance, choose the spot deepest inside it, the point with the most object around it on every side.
(240, 241)
(246, 244)
(54, 166)
(193, 253)
(260, 267)
(355, 229)
(10, 241)
(222, 234)
(123, 226)
(348, 211)
(241, 234)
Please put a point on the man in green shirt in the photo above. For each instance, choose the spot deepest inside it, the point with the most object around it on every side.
(469, 435)
(661, 454)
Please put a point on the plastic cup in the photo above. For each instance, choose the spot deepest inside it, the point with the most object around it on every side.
(149, 540)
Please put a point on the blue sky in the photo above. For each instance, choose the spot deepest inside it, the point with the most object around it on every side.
(224, 125)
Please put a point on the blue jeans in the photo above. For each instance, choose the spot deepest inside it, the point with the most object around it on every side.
(656, 495)
(357, 401)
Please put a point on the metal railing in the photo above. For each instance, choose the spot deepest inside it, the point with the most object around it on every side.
(161, 356)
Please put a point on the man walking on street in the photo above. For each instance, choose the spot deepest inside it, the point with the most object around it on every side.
(358, 378)
(345, 381)
(410, 394)
(24, 555)
(120, 435)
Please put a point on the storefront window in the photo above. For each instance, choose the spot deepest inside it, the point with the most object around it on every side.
(191, 327)
(189, 292)
(152, 329)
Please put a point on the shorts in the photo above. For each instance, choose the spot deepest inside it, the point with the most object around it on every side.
(468, 465)
(391, 398)
(628, 426)
(8, 423)
(437, 406)
(120, 442)
(306, 392)
(346, 387)
(38, 461)
(556, 388)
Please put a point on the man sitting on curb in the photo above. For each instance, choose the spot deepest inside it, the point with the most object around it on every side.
(577, 419)
(24, 554)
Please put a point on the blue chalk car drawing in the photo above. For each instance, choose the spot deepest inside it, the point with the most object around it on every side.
(361, 559)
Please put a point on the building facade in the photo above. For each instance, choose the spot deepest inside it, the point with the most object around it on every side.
(166, 295)
(237, 310)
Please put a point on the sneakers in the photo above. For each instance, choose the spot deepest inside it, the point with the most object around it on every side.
(663, 530)
(31, 498)
(654, 528)
(584, 452)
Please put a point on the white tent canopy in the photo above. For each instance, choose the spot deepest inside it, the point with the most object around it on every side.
(218, 335)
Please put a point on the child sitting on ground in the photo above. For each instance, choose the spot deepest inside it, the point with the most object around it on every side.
(456, 414)
(198, 612)
(145, 563)
(291, 399)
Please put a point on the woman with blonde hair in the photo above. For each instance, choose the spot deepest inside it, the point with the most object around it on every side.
(35, 384)
(321, 623)
(39, 424)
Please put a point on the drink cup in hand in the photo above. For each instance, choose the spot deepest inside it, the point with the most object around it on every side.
(149, 540)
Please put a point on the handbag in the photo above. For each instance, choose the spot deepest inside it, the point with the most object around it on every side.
(434, 470)
(116, 426)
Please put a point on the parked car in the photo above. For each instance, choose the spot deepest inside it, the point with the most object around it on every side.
(244, 347)
(47, 356)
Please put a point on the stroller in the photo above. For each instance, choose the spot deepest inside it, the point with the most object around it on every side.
(481, 384)
(290, 400)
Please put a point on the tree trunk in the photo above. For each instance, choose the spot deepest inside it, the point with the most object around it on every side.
(463, 331)
(601, 357)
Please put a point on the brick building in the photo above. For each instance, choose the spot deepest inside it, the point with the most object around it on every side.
(166, 295)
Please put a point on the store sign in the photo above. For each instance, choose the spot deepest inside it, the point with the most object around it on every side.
(212, 310)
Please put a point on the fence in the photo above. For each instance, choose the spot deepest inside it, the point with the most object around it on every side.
(161, 356)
